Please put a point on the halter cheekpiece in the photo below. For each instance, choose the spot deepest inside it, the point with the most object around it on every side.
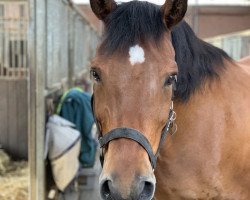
(136, 135)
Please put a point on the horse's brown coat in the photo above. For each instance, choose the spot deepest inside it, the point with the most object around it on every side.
(137, 92)
(208, 157)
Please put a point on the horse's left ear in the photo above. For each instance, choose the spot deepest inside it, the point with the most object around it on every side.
(173, 12)
(102, 8)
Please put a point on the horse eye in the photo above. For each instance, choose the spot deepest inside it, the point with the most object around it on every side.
(95, 75)
(170, 80)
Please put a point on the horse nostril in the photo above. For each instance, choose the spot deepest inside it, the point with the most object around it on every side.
(143, 190)
(105, 190)
(148, 189)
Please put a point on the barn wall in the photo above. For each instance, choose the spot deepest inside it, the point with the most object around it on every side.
(210, 21)
(14, 117)
(69, 44)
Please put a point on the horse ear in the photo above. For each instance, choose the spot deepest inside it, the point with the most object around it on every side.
(173, 12)
(102, 8)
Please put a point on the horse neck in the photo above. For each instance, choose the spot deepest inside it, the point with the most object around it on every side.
(214, 108)
(212, 135)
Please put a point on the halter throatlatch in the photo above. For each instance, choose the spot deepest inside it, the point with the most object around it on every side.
(136, 135)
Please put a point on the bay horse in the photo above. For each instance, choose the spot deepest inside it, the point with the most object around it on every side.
(136, 95)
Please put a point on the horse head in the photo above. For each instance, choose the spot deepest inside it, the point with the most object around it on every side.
(134, 73)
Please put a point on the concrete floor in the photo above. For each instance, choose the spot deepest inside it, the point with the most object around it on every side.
(88, 188)
(88, 194)
(92, 194)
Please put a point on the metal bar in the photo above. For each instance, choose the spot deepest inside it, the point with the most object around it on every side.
(37, 63)
(19, 54)
(1, 48)
(13, 50)
(25, 63)
(25, 52)
(3, 53)
(71, 47)
(6, 52)
(12, 54)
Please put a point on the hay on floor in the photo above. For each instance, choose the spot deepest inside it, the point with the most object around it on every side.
(13, 178)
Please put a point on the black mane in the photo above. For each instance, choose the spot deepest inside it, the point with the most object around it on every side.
(197, 60)
(135, 22)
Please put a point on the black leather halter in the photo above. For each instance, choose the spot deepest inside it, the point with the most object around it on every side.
(136, 135)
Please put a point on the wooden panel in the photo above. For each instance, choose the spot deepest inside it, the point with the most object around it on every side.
(22, 115)
(3, 113)
(12, 119)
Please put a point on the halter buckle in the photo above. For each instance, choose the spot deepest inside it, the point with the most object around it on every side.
(173, 129)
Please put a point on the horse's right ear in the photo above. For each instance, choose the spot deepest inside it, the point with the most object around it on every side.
(102, 8)
(173, 12)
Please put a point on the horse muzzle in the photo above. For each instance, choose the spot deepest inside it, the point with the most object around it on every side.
(135, 179)
(142, 188)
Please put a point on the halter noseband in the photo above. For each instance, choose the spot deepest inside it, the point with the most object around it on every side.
(136, 135)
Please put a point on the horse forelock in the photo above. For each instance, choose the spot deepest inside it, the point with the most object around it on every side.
(130, 24)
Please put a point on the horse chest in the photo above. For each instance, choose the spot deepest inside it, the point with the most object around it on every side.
(176, 182)
(194, 180)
